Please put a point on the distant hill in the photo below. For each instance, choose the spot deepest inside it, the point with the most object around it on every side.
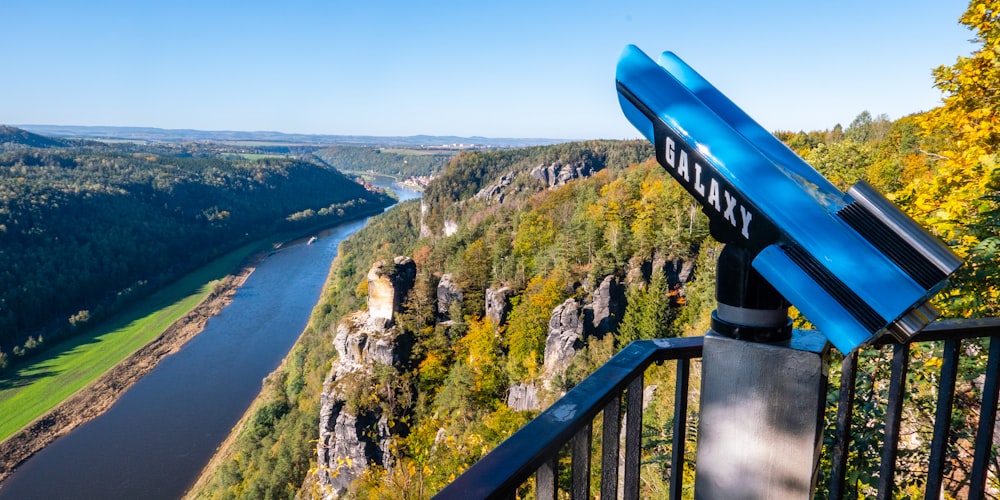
(14, 135)
(185, 135)
(85, 229)
(398, 162)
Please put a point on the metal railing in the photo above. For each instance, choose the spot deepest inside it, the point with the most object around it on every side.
(535, 448)
(953, 333)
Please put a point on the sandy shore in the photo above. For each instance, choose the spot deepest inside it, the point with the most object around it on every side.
(96, 398)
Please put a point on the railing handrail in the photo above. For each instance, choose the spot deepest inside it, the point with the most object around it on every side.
(950, 329)
(509, 465)
(543, 436)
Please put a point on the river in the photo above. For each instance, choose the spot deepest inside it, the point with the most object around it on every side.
(155, 440)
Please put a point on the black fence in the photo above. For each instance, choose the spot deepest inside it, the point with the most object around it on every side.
(535, 449)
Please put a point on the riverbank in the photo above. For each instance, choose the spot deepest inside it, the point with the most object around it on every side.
(202, 487)
(272, 448)
(96, 398)
(82, 377)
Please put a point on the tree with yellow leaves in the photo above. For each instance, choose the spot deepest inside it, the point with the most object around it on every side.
(481, 350)
(956, 197)
(528, 325)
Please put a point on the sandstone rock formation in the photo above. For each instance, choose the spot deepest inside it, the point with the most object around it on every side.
(570, 325)
(559, 173)
(354, 434)
(388, 286)
(425, 231)
(448, 293)
(496, 192)
(498, 304)
(565, 337)
(679, 270)
(523, 397)
(348, 446)
(606, 309)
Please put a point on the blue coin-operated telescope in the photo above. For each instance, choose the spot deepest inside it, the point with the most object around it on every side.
(853, 264)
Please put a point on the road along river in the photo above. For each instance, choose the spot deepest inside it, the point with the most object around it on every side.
(155, 440)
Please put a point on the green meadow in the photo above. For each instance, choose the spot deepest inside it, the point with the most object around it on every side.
(40, 384)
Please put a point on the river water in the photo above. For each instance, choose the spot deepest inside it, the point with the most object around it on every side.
(155, 440)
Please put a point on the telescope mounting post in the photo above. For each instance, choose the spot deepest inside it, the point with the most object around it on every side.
(762, 392)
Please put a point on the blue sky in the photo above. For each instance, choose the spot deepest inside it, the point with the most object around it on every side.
(497, 69)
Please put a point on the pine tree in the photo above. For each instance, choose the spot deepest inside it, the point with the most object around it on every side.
(647, 315)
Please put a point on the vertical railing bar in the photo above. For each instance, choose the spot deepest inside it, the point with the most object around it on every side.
(942, 418)
(545, 479)
(633, 438)
(894, 410)
(610, 436)
(680, 428)
(842, 439)
(580, 476)
(987, 420)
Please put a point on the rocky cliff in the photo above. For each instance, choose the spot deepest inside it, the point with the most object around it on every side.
(448, 294)
(558, 173)
(498, 304)
(573, 322)
(570, 327)
(359, 418)
(388, 285)
(526, 263)
(551, 176)
(356, 425)
(357, 415)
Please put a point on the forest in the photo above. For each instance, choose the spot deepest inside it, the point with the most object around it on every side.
(399, 163)
(85, 227)
(628, 220)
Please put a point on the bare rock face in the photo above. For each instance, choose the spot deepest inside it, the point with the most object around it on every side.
(559, 173)
(676, 270)
(604, 313)
(388, 286)
(680, 271)
(498, 304)
(638, 269)
(572, 323)
(448, 293)
(353, 436)
(496, 192)
(425, 231)
(361, 342)
(349, 446)
(565, 336)
(523, 397)
(350, 440)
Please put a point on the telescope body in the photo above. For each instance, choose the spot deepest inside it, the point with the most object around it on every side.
(853, 264)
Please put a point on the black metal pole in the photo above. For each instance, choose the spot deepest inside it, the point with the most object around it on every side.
(749, 308)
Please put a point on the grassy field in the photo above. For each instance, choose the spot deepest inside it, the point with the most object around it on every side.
(46, 380)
